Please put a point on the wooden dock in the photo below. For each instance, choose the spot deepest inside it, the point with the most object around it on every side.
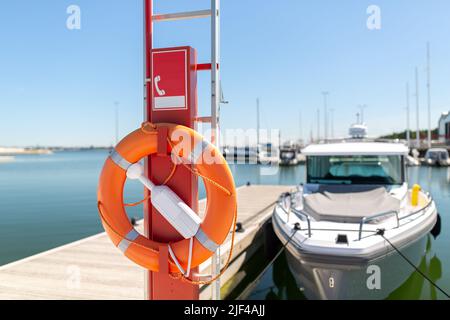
(93, 268)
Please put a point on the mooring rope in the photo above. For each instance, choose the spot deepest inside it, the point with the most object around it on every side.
(380, 232)
(261, 274)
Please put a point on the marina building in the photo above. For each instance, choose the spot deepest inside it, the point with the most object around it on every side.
(444, 128)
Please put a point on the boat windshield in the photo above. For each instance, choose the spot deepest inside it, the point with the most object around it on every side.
(437, 155)
(287, 154)
(366, 169)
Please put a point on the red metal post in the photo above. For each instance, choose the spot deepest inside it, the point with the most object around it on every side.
(164, 103)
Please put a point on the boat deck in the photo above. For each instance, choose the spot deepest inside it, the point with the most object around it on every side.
(93, 268)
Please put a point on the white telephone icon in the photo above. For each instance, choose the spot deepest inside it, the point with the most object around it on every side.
(160, 92)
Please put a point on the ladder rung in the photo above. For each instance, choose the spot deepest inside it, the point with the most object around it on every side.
(182, 15)
(204, 119)
(205, 66)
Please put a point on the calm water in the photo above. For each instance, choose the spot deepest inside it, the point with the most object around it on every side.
(48, 201)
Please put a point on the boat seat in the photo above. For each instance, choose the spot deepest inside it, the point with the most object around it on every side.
(350, 207)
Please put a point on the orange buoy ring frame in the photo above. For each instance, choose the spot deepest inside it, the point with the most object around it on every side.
(221, 207)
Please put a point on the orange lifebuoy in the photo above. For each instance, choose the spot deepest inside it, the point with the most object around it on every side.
(221, 204)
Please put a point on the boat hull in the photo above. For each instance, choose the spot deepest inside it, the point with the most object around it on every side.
(335, 280)
(344, 276)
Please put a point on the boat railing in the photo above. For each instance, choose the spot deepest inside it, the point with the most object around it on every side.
(305, 215)
(423, 209)
(370, 218)
(300, 213)
(297, 213)
(376, 216)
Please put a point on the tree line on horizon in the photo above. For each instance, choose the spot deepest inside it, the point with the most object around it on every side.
(423, 134)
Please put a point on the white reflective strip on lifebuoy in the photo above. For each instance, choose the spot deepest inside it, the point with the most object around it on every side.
(175, 260)
(197, 153)
(125, 243)
(119, 160)
(177, 263)
(206, 241)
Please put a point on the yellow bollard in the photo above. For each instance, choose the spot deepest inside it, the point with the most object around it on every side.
(415, 195)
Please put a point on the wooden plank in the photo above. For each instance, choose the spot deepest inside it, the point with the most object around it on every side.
(93, 268)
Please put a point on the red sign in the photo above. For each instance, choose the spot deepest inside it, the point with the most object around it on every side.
(169, 77)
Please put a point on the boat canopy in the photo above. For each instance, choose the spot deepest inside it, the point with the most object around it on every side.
(355, 148)
(349, 207)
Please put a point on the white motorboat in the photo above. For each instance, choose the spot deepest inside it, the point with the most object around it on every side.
(290, 154)
(437, 157)
(341, 227)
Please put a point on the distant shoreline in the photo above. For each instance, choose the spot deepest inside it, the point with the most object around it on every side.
(44, 151)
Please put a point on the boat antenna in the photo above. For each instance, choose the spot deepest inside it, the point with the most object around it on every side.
(332, 123)
(257, 124)
(318, 124)
(325, 113)
(361, 107)
(408, 129)
(300, 120)
(429, 92)
(417, 109)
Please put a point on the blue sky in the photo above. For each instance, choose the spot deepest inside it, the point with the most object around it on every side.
(58, 87)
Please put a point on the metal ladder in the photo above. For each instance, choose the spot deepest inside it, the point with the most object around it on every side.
(216, 93)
